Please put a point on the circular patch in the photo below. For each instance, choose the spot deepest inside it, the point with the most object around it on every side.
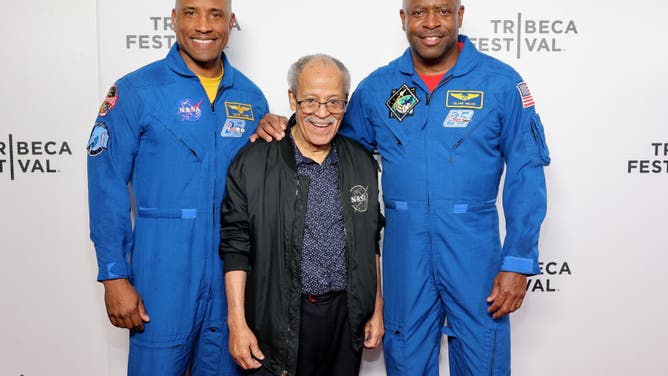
(359, 198)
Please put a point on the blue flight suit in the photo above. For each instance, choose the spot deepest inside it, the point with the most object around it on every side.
(443, 154)
(158, 131)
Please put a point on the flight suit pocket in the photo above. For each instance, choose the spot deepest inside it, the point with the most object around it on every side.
(536, 142)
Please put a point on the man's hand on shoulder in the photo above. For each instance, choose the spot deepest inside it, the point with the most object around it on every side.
(270, 127)
(125, 307)
(507, 293)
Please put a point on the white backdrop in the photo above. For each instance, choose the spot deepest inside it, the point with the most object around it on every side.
(596, 69)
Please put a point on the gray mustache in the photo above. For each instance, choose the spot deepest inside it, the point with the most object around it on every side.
(314, 119)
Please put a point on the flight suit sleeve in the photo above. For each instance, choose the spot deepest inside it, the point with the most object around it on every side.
(112, 148)
(524, 194)
(356, 124)
(235, 229)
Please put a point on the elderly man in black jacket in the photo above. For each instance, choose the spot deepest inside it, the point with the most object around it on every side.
(300, 230)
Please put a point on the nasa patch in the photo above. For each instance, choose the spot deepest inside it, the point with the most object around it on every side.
(359, 198)
(239, 111)
(402, 102)
(458, 118)
(109, 101)
(190, 111)
(99, 139)
(233, 128)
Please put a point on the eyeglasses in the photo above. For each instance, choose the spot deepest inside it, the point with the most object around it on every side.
(334, 106)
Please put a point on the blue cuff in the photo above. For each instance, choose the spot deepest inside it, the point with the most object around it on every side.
(520, 265)
(112, 271)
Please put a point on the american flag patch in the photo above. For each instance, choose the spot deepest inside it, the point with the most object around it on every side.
(527, 99)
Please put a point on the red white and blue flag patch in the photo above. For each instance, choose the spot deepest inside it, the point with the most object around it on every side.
(527, 99)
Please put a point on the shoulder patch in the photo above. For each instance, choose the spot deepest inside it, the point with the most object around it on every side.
(109, 101)
(527, 99)
(239, 111)
(465, 99)
(99, 139)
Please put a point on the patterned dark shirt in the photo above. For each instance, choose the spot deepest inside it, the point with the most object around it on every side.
(323, 252)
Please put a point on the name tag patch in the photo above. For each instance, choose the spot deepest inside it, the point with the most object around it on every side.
(465, 99)
(239, 111)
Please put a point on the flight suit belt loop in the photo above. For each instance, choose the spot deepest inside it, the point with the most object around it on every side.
(167, 213)
(322, 298)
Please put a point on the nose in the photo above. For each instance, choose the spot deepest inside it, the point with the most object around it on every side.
(322, 111)
(432, 20)
(203, 23)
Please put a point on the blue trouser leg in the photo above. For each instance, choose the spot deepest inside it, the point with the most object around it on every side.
(413, 311)
(468, 259)
(211, 354)
(440, 266)
(182, 287)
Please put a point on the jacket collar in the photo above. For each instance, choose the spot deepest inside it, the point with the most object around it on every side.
(287, 149)
(467, 60)
(178, 66)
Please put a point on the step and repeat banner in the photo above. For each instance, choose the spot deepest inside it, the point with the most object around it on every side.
(597, 71)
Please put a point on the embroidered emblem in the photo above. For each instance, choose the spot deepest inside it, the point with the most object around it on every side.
(359, 198)
(109, 101)
(189, 111)
(99, 139)
(465, 99)
(527, 98)
(239, 111)
(458, 118)
(402, 102)
(233, 128)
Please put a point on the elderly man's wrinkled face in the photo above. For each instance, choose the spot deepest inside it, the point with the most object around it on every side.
(319, 103)
(202, 29)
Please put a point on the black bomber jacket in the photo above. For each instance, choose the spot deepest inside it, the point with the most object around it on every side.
(261, 233)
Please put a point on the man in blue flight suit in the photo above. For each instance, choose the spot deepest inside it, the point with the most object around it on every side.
(445, 119)
(170, 129)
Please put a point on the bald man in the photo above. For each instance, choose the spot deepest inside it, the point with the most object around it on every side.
(165, 136)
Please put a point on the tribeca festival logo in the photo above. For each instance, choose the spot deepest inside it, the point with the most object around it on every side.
(20, 157)
(550, 272)
(161, 36)
(524, 35)
(651, 166)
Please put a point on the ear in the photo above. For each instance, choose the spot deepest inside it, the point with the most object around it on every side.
(173, 17)
(402, 14)
(293, 100)
(460, 15)
(233, 21)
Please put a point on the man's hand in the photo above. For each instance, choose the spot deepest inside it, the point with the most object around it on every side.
(271, 127)
(244, 348)
(507, 293)
(374, 329)
(125, 307)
